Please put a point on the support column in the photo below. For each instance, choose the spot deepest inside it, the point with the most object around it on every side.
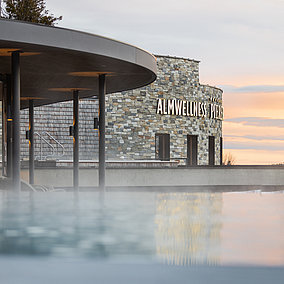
(16, 120)
(31, 142)
(102, 92)
(6, 93)
(76, 140)
(9, 133)
(4, 120)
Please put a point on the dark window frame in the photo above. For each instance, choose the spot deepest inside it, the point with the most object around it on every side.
(211, 151)
(162, 146)
(192, 150)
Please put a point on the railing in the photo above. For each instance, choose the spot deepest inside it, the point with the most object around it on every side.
(57, 143)
(54, 150)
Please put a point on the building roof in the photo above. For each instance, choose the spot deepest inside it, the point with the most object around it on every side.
(176, 57)
(55, 61)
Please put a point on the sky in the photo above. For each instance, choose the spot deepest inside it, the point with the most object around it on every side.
(240, 44)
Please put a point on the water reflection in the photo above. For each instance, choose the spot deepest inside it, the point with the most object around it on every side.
(61, 224)
(253, 228)
(188, 228)
(175, 228)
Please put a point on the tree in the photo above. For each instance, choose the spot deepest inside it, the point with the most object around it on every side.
(229, 159)
(30, 11)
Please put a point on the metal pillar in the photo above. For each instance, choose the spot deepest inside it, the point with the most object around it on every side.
(9, 127)
(31, 142)
(76, 140)
(16, 119)
(6, 126)
(102, 91)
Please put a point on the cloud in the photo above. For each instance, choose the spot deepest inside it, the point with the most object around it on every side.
(247, 143)
(254, 141)
(247, 146)
(255, 133)
(253, 88)
(233, 39)
(258, 121)
(258, 138)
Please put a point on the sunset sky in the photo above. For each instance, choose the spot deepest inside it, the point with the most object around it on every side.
(240, 44)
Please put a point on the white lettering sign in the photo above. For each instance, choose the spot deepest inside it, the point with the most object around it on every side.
(189, 108)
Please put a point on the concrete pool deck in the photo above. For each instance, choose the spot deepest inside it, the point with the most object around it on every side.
(158, 175)
(252, 177)
(41, 270)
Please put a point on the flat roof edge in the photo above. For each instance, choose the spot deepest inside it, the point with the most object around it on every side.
(64, 38)
(213, 87)
(176, 57)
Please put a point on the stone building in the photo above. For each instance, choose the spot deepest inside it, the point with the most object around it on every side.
(174, 118)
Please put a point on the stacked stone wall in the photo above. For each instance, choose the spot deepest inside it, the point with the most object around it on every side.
(132, 121)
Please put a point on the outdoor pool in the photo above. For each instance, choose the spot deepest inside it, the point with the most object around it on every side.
(180, 229)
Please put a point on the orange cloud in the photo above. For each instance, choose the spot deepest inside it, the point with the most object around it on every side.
(242, 79)
(239, 129)
(254, 104)
(255, 134)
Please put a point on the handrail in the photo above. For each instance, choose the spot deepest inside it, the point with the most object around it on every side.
(43, 139)
(57, 142)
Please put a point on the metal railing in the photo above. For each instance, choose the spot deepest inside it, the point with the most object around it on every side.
(57, 143)
(54, 150)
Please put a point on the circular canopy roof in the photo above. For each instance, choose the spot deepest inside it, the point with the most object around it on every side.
(56, 61)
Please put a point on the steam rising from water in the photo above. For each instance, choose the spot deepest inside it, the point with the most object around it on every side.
(174, 228)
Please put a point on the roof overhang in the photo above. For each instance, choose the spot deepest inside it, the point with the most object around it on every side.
(56, 61)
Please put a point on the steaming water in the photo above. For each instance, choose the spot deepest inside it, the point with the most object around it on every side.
(174, 228)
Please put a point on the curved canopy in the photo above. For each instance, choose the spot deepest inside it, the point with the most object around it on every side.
(56, 61)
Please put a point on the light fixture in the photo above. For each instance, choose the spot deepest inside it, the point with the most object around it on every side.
(96, 123)
(71, 131)
(28, 135)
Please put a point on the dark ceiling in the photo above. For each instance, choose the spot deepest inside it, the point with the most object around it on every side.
(56, 61)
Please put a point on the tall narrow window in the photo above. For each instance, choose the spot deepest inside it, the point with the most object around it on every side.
(192, 144)
(221, 151)
(211, 150)
(162, 147)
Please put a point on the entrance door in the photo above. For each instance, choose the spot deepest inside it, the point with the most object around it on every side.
(192, 144)
(211, 150)
(162, 147)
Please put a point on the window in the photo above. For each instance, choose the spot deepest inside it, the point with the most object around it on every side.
(192, 144)
(162, 145)
(211, 150)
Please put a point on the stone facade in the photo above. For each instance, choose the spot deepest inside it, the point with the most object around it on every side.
(55, 119)
(132, 120)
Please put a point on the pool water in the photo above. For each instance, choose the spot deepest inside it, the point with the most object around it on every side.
(176, 228)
